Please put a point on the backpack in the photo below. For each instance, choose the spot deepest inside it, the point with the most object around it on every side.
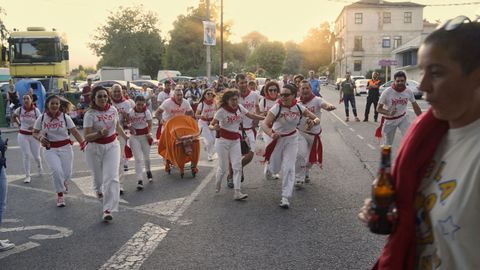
(280, 111)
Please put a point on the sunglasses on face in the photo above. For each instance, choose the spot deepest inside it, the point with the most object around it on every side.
(285, 95)
(456, 22)
(102, 96)
(272, 90)
(209, 94)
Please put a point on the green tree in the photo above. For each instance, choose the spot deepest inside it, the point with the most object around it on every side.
(131, 38)
(316, 47)
(269, 56)
(3, 36)
(254, 39)
(185, 50)
(294, 58)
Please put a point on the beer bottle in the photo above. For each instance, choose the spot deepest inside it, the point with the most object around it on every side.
(383, 197)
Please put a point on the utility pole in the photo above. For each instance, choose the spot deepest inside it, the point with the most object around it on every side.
(221, 38)
(209, 59)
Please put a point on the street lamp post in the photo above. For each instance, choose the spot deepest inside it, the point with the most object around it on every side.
(209, 60)
(221, 37)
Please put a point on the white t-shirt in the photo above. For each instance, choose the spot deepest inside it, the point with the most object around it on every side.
(249, 102)
(162, 96)
(231, 121)
(27, 119)
(206, 110)
(266, 104)
(171, 109)
(288, 119)
(123, 107)
(314, 106)
(55, 128)
(448, 204)
(102, 119)
(138, 120)
(393, 99)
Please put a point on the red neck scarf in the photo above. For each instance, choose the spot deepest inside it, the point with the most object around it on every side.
(307, 99)
(122, 99)
(409, 169)
(54, 116)
(32, 107)
(179, 104)
(398, 88)
(294, 102)
(144, 109)
(208, 102)
(104, 109)
(245, 94)
(230, 109)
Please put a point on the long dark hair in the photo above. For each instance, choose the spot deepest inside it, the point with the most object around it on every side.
(223, 98)
(202, 98)
(65, 105)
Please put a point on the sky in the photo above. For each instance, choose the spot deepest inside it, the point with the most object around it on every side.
(279, 20)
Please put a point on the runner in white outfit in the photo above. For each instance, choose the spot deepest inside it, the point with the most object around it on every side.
(205, 111)
(309, 142)
(25, 117)
(173, 106)
(162, 96)
(123, 106)
(393, 105)
(103, 150)
(281, 125)
(227, 123)
(266, 103)
(140, 125)
(53, 130)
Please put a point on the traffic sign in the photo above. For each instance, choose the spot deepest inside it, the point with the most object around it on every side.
(387, 62)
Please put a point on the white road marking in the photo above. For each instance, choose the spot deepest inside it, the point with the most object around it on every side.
(351, 129)
(61, 231)
(341, 121)
(360, 136)
(371, 146)
(164, 208)
(19, 249)
(133, 253)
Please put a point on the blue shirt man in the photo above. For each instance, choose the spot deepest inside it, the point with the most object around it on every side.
(314, 83)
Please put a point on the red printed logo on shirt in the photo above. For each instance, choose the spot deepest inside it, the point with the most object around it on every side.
(55, 124)
(233, 118)
(400, 101)
(105, 117)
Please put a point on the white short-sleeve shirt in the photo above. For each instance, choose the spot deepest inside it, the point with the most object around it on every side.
(55, 128)
(231, 121)
(288, 119)
(123, 107)
(138, 120)
(206, 110)
(399, 100)
(162, 96)
(171, 109)
(99, 120)
(314, 106)
(27, 118)
(448, 204)
(266, 104)
(249, 103)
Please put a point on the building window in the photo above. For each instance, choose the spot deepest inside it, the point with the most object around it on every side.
(386, 42)
(397, 42)
(358, 18)
(387, 17)
(407, 17)
(358, 44)
(357, 65)
(409, 58)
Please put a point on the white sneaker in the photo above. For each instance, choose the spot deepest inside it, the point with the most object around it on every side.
(238, 196)
(299, 184)
(268, 175)
(60, 201)
(209, 158)
(27, 179)
(107, 216)
(284, 203)
(6, 245)
(40, 170)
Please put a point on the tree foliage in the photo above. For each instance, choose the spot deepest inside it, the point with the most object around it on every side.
(130, 38)
(294, 58)
(270, 56)
(316, 47)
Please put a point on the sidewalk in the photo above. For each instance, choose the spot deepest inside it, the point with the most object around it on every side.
(8, 130)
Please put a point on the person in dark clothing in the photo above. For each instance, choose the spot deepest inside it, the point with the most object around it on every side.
(373, 86)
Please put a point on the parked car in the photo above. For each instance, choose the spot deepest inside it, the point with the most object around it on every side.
(4, 87)
(361, 85)
(411, 84)
(152, 84)
(323, 80)
(177, 79)
(355, 78)
(110, 83)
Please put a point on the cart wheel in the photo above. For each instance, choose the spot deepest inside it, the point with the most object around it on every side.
(169, 171)
(181, 175)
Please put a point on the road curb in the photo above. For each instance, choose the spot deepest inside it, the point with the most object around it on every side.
(9, 130)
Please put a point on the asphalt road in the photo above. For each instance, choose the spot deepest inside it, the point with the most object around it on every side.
(183, 224)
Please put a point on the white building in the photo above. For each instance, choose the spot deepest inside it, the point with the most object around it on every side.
(369, 30)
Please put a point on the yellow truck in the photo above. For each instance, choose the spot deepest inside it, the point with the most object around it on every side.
(40, 55)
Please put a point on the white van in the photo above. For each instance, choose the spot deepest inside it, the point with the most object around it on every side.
(162, 74)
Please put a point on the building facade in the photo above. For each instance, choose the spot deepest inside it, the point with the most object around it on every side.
(367, 32)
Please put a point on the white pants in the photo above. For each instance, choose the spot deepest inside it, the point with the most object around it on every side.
(208, 136)
(390, 127)
(30, 148)
(266, 141)
(283, 158)
(302, 166)
(60, 162)
(104, 160)
(229, 150)
(141, 152)
(123, 160)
